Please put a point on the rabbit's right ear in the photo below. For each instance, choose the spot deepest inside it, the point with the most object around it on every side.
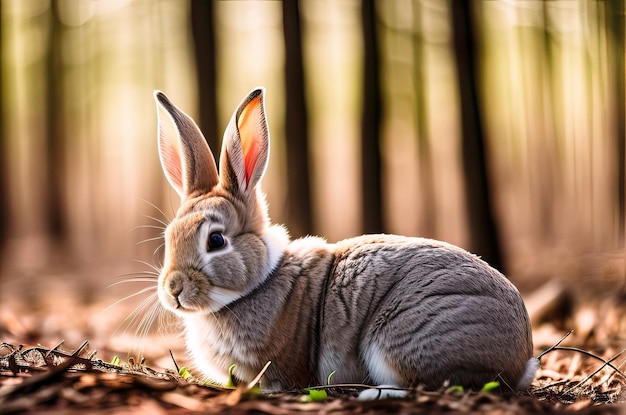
(185, 156)
(245, 148)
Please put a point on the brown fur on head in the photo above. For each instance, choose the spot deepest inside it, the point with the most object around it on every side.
(215, 247)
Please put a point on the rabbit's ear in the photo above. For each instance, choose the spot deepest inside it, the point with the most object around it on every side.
(185, 155)
(245, 149)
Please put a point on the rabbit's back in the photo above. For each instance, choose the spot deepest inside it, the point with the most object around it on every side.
(405, 311)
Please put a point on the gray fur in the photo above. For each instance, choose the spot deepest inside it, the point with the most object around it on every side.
(378, 309)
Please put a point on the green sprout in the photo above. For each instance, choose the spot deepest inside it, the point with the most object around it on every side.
(184, 372)
(314, 395)
(230, 384)
(116, 360)
(489, 386)
(330, 375)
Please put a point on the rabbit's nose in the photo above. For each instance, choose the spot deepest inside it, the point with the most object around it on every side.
(175, 284)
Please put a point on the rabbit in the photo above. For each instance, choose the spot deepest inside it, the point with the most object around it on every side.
(373, 309)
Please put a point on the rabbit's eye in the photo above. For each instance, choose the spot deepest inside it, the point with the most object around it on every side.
(216, 240)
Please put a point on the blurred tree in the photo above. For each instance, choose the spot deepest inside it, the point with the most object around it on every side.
(54, 143)
(371, 163)
(484, 238)
(548, 158)
(299, 215)
(4, 191)
(427, 185)
(202, 27)
(615, 26)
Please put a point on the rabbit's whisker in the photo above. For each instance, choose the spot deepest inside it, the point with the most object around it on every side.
(166, 218)
(144, 274)
(134, 228)
(140, 276)
(128, 297)
(147, 321)
(218, 323)
(233, 313)
(162, 245)
(156, 238)
(149, 265)
(148, 278)
(137, 312)
(157, 220)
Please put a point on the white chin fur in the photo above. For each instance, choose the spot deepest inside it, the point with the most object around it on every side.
(221, 297)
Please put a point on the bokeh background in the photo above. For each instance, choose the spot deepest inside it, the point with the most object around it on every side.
(494, 125)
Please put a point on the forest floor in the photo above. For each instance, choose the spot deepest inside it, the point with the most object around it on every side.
(49, 364)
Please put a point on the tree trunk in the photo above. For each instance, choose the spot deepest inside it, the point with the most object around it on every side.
(615, 12)
(299, 212)
(371, 163)
(4, 190)
(202, 27)
(484, 235)
(55, 131)
(420, 88)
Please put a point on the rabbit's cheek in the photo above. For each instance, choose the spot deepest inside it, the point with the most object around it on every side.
(229, 273)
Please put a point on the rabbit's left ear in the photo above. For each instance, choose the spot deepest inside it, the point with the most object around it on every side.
(245, 148)
(186, 158)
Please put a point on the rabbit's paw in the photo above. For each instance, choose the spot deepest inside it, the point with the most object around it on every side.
(382, 392)
(270, 386)
(529, 374)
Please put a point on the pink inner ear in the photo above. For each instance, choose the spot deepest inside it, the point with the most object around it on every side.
(170, 158)
(251, 153)
(173, 165)
(248, 133)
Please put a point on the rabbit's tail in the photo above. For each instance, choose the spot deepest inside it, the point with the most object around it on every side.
(529, 374)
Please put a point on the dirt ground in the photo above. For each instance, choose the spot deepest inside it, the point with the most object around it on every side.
(62, 352)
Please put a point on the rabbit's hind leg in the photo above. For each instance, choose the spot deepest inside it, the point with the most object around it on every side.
(378, 367)
(382, 374)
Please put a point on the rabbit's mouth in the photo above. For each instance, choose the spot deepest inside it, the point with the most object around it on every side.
(181, 293)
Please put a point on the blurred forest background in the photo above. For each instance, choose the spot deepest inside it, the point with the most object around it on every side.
(494, 125)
